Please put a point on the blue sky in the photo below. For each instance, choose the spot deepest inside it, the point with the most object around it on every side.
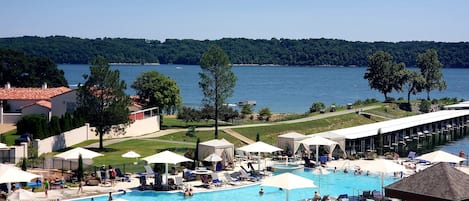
(355, 20)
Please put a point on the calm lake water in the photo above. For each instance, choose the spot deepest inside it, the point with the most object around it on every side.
(283, 89)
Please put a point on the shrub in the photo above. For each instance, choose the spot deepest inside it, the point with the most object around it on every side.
(425, 106)
(265, 113)
(316, 107)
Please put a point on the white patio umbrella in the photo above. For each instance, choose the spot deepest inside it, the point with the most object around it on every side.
(131, 154)
(317, 140)
(259, 147)
(22, 194)
(288, 181)
(382, 166)
(166, 157)
(213, 158)
(440, 156)
(2, 146)
(74, 154)
(10, 174)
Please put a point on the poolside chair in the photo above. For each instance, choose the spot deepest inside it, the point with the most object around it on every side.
(189, 176)
(230, 180)
(120, 176)
(178, 181)
(215, 180)
(244, 175)
(149, 171)
(366, 194)
(411, 155)
(377, 195)
(342, 197)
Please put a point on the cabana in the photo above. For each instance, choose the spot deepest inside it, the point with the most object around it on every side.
(287, 141)
(438, 182)
(222, 148)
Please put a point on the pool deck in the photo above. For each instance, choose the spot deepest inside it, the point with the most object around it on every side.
(134, 183)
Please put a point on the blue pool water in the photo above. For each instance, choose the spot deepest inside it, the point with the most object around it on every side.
(332, 184)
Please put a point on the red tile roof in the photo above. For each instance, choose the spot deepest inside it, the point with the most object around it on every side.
(31, 93)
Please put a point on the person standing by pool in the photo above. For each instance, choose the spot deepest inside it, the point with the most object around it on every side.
(110, 196)
(112, 175)
(46, 186)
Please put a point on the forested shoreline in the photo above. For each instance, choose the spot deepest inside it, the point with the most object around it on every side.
(303, 52)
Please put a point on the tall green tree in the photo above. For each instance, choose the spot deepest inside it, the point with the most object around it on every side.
(21, 70)
(414, 83)
(383, 74)
(430, 68)
(102, 98)
(156, 89)
(80, 171)
(217, 80)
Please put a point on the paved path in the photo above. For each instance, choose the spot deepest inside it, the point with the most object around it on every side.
(239, 136)
(234, 134)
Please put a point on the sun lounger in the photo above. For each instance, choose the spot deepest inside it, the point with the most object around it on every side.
(377, 195)
(215, 180)
(246, 176)
(149, 171)
(230, 180)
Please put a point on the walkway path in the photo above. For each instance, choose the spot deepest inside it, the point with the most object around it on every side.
(231, 132)
(239, 136)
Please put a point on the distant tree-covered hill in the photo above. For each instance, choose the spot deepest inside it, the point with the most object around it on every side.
(64, 49)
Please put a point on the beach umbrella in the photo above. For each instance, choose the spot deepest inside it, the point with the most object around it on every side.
(213, 158)
(382, 166)
(74, 154)
(166, 157)
(22, 194)
(317, 140)
(11, 174)
(2, 146)
(259, 147)
(440, 156)
(131, 154)
(288, 181)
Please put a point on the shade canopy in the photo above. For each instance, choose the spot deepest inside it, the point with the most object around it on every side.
(317, 140)
(166, 157)
(288, 181)
(381, 165)
(10, 174)
(259, 147)
(75, 153)
(2, 146)
(131, 154)
(22, 194)
(440, 156)
(213, 158)
(438, 182)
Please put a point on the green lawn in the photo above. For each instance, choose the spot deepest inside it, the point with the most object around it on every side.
(269, 133)
(10, 137)
(202, 135)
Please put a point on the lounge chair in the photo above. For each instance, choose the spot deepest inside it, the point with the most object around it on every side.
(149, 171)
(230, 180)
(377, 195)
(411, 155)
(342, 197)
(178, 181)
(215, 180)
(244, 175)
(120, 176)
(189, 176)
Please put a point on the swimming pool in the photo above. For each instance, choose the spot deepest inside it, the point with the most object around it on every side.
(332, 184)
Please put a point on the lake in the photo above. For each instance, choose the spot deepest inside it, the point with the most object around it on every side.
(283, 89)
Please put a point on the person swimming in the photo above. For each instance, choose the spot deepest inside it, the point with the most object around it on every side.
(261, 192)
